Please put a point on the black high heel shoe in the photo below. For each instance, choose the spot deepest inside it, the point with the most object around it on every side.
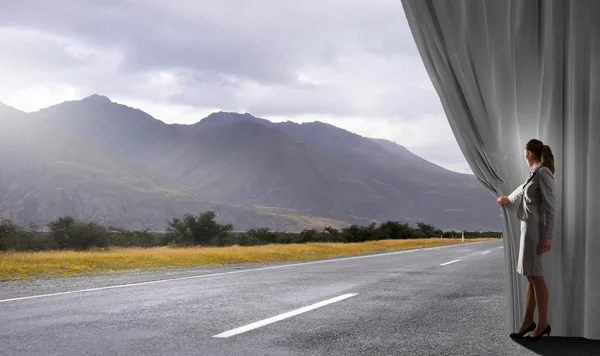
(518, 335)
(536, 338)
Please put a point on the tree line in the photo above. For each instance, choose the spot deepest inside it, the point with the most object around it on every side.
(67, 233)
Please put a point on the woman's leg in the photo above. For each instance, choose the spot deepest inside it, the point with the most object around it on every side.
(541, 297)
(529, 306)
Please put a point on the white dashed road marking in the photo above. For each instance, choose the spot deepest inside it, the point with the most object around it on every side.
(280, 317)
(447, 263)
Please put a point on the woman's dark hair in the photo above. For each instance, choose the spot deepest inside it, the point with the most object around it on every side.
(542, 152)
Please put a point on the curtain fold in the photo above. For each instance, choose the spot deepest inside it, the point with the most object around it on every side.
(507, 71)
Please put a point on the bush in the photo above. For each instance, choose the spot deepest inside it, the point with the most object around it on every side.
(308, 235)
(428, 230)
(14, 237)
(9, 234)
(393, 230)
(134, 238)
(197, 230)
(263, 235)
(71, 234)
(8, 230)
(354, 233)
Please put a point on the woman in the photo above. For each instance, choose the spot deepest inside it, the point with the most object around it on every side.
(537, 214)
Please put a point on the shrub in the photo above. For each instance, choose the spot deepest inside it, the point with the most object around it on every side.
(428, 230)
(71, 234)
(308, 235)
(262, 235)
(131, 238)
(354, 233)
(196, 230)
(9, 232)
(14, 237)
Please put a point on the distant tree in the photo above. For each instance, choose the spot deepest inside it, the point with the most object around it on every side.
(371, 233)
(332, 234)
(331, 230)
(263, 235)
(394, 230)
(61, 228)
(308, 235)
(196, 230)
(71, 234)
(353, 233)
(418, 234)
(428, 230)
(456, 234)
(8, 230)
(7, 226)
(142, 238)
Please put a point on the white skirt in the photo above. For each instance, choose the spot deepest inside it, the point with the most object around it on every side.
(530, 253)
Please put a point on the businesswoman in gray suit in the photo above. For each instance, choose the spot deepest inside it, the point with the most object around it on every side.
(537, 214)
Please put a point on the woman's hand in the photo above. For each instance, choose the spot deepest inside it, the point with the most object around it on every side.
(546, 245)
(503, 200)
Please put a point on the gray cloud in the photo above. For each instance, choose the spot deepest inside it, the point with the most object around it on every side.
(264, 41)
(332, 58)
(23, 50)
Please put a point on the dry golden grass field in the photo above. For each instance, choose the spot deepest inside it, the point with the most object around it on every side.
(14, 265)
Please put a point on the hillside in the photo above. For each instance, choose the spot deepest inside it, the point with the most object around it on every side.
(45, 173)
(427, 191)
(252, 171)
(123, 131)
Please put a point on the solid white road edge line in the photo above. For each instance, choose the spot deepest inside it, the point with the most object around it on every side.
(485, 252)
(283, 316)
(234, 272)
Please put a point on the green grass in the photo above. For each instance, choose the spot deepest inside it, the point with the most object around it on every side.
(16, 265)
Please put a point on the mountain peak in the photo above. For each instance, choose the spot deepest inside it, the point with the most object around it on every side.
(226, 118)
(97, 98)
(228, 115)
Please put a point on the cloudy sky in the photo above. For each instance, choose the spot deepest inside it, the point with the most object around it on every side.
(350, 63)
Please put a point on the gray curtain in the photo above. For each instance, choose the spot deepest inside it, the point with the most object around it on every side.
(507, 71)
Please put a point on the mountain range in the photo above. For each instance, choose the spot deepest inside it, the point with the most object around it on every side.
(98, 160)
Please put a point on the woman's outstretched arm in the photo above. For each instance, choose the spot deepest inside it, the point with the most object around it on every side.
(512, 197)
(517, 194)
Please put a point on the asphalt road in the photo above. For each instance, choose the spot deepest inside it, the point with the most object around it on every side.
(436, 301)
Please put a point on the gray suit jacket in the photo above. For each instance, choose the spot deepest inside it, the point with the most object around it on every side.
(536, 200)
